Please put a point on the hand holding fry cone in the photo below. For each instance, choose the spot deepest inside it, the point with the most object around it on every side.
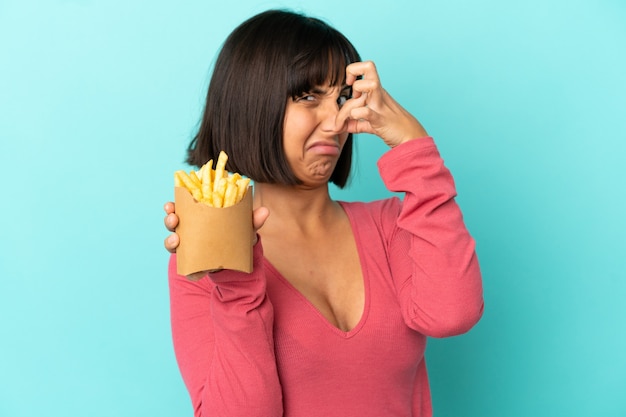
(215, 226)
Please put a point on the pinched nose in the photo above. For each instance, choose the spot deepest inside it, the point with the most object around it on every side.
(329, 121)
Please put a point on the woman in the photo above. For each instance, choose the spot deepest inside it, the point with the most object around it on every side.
(333, 319)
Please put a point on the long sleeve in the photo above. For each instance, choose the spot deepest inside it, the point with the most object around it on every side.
(222, 328)
(432, 255)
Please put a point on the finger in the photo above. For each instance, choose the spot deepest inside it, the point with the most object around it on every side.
(344, 114)
(358, 126)
(370, 89)
(364, 114)
(171, 243)
(363, 70)
(169, 207)
(363, 77)
(171, 221)
(259, 216)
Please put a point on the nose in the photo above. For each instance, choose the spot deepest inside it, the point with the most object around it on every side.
(328, 116)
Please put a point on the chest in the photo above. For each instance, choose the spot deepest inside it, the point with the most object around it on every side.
(379, 351)
(325, 271)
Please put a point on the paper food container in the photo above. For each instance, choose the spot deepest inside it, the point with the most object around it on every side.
(211, 237)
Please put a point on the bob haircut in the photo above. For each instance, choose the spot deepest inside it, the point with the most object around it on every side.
(272, 57)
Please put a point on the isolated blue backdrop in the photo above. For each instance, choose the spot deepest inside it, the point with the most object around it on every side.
(527, 101)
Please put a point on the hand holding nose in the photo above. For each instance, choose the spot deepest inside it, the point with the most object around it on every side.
(372, 110)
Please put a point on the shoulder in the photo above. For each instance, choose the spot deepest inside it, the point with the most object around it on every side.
(374, 207)
(383, 212)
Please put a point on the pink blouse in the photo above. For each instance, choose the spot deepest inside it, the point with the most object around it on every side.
(252, 345)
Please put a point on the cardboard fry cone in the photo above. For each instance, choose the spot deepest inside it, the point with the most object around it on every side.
(213, 238)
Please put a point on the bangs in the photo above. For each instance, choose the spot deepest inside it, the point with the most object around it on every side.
(321, 59)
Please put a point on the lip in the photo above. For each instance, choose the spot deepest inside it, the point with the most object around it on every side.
(324, 148)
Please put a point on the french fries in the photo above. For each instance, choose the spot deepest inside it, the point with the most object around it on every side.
(215, 187)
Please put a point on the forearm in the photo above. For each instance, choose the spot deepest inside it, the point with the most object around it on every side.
(438, 274)
(223, 337)
(243, 380)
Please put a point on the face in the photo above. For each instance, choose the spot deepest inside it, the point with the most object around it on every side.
(311, 144)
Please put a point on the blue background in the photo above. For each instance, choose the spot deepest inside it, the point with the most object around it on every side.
(526, 100)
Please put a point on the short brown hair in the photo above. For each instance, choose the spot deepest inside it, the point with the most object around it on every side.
(270, 58)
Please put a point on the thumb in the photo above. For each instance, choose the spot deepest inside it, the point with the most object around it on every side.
(259, 216)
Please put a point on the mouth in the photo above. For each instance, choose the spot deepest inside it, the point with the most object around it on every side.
(324, 148)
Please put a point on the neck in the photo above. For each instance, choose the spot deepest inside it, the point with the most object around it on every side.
(298, 208)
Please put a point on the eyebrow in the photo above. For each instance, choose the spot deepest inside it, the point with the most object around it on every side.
(322, 91)
(318, 90)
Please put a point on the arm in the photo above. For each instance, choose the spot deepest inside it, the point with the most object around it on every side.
(432, 255)
(223, 340)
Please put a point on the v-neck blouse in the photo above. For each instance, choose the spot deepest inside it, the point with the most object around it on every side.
(252, 344)
(352, 370)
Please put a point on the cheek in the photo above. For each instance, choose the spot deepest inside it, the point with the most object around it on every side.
(298, 119)
(297, 126)
(292, 123)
